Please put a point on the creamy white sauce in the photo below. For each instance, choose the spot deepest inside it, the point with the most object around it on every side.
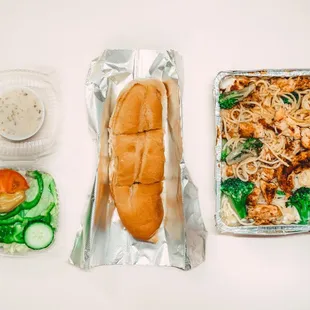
(21, 114)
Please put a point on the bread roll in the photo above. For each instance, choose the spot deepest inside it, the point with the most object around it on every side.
(138, 157)
(140, 208)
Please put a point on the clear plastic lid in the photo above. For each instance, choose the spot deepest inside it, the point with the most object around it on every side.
(41, 141)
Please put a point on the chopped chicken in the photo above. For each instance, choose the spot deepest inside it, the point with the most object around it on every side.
(267, 174)
(248, 130)
(229, 171)
(253, 197)
(253, 177)
(292, 147)
(268, 191)
(302, 82)
(266, 124)
(304, 178)
(288, 130)
(285, 174)
(285, 84)
(240, 83)
(280, 114)
(265, 214)
(305, 138)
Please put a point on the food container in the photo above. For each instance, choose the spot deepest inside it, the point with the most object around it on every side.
(104, 239)
(262, 126)
(29, 203)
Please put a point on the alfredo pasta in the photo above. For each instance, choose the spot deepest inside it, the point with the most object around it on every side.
(265, 138)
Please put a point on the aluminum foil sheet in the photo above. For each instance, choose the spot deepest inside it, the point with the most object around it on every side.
(102, 239)
(270, 230)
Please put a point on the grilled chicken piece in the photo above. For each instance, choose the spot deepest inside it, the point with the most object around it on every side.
(287, 129)
(268, 191)
(290, 84)
(304, 178)
(292, 147)
(305, 138)
(267, 174)
(253, 197)
(285, 174)
(302, 82)
(229, 171)
(253, 177)
(249, 130)
(266, 123)
(285, 84)
(240, 83)
(280, 114)
(265, 214)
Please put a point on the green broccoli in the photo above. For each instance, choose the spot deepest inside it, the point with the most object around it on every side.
(244, 151)
(237, 192)
(287, 100)
(280, 193)
(301, 201)
(252, 143)
(230, 99)
(225, 150)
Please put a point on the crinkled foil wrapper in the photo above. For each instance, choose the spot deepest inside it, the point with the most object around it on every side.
(102, 239)
(272, 230)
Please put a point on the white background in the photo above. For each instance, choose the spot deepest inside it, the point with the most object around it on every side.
(65, 35)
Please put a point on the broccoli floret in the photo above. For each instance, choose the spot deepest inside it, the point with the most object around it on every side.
(252, 144)
(230, 99)
(244, 150)
(301, 201)
(225, 150)
(237, 192)
(280, 193)
(286, 100)
(224, 154)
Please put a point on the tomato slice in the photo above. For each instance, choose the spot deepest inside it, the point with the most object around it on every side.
(11, 181)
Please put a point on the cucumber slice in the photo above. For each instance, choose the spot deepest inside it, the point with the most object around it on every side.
(38, 235)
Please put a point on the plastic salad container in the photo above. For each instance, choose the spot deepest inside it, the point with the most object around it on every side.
(29, 203)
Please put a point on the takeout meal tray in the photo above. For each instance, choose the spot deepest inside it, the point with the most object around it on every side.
(222, 227)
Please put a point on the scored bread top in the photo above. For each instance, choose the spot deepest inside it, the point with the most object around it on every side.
(139, 108)
(139, 158)
(137, 151)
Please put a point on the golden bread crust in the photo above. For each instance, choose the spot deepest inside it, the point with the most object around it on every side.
(138, 157)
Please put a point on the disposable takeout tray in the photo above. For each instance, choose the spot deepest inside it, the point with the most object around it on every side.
(268, 230)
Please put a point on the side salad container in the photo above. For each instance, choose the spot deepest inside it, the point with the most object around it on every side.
(29, 203)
